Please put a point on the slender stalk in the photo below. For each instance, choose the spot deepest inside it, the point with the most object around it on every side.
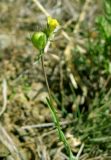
(55, 117)
(50, 98)
(42, 42)
(45, 76)
(49, 92)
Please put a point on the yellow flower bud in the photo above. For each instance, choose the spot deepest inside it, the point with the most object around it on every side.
(52, 23)
(39, 40)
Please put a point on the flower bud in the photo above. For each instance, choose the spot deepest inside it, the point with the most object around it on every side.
(52, 23)
(39, 40)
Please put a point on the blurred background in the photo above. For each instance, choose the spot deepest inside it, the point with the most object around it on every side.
(79, 73)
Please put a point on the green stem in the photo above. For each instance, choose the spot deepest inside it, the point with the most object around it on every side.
(45, 76)
(54, 114)
(49, 92)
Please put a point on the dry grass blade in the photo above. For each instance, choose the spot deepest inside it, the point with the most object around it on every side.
(82, 16)
(41, 7)
(73, 75)
(45, 125)
(42, 150)
(8, 142)
(80, 151)
(4, 97)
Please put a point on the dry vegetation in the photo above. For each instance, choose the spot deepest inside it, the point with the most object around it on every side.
(78, 75)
